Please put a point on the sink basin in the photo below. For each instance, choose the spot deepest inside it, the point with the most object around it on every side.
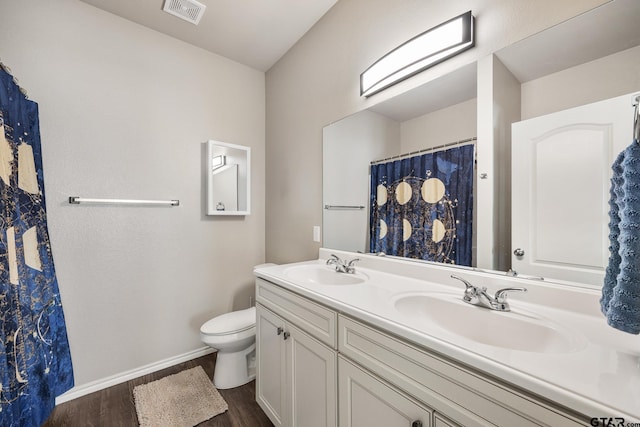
(514, 330)
(323, 275)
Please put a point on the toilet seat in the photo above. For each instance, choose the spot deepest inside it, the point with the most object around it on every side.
(230, 323)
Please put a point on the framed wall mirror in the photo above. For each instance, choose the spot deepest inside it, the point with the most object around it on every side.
(228, 179)
(563, 67)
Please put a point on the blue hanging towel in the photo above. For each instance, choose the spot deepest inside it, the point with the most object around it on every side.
(613, 268)
(620, 301)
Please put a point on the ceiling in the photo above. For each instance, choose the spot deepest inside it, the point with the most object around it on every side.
(256, 33)
(605, 30)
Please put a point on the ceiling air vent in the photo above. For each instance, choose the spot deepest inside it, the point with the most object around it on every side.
(189, 10)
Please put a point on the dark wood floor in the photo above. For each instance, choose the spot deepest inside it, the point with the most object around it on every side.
(115, 406)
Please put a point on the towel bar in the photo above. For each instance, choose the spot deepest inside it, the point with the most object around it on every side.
(75, 200)
(343, 207)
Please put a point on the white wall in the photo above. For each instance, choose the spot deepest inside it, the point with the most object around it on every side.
(499, 94)
(444, 126)
(316, 83)
(124, 113)
(604, 78)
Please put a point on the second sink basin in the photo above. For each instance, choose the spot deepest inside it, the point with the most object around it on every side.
(514, 330)
(323, 275)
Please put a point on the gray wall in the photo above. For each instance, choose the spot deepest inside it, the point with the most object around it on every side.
(125, 112)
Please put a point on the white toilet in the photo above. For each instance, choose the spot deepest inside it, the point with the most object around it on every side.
(234, 336)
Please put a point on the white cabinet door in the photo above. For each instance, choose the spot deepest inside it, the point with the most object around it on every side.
(271, 366)
(560, 192)
(311, 381)
(365, 401)
(296, 374)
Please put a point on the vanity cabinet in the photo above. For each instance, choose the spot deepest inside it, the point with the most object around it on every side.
(296, 359)
(465, 396)
(318, 367)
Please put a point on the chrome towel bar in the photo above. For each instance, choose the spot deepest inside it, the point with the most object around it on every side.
(75, 200)
(342, 207)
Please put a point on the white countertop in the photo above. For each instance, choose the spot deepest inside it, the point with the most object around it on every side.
(599, 378)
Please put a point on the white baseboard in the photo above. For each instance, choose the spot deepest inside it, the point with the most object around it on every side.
(122, 377)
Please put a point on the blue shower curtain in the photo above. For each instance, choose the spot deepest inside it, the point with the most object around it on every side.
(422, 206)
(35, 362)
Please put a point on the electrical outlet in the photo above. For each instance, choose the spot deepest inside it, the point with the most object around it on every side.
(316, 233)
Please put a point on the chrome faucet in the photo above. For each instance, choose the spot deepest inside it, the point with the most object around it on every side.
(478, 296)
(342, 266)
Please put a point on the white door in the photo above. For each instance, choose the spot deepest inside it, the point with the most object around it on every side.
(312, 381)
(560, 189)
(365, 401)
(271, 366)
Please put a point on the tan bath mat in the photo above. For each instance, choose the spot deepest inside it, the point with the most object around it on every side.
(182, 400)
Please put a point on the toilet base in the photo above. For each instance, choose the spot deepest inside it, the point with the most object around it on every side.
(234, 369)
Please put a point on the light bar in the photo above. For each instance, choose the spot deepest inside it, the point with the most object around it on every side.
(421, 52)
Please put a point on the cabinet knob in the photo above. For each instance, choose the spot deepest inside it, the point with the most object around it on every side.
(279, 330)
(416, 423)
(286, 335)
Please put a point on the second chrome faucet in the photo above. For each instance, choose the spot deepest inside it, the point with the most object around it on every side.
(478, 296)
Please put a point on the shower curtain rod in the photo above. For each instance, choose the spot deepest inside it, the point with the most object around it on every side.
(436, 148)
(75, 200)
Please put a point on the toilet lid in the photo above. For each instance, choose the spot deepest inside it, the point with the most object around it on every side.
(230, 323)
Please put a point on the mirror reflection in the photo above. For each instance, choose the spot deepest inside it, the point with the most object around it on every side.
(563, 67)
(228, 167)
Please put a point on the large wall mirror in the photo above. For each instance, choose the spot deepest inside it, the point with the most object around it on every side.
(228, 178)
(566, 66)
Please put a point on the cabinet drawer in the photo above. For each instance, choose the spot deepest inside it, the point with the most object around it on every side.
(467, 397)
(315, 319)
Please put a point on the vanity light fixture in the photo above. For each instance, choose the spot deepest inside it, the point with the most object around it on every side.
(421, 52)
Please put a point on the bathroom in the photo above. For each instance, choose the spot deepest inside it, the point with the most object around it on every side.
(131, 122)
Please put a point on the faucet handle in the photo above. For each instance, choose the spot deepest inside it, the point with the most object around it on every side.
(501, 294)
(349, 268)
(333, 258)
(466, 283)
(472, 294)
